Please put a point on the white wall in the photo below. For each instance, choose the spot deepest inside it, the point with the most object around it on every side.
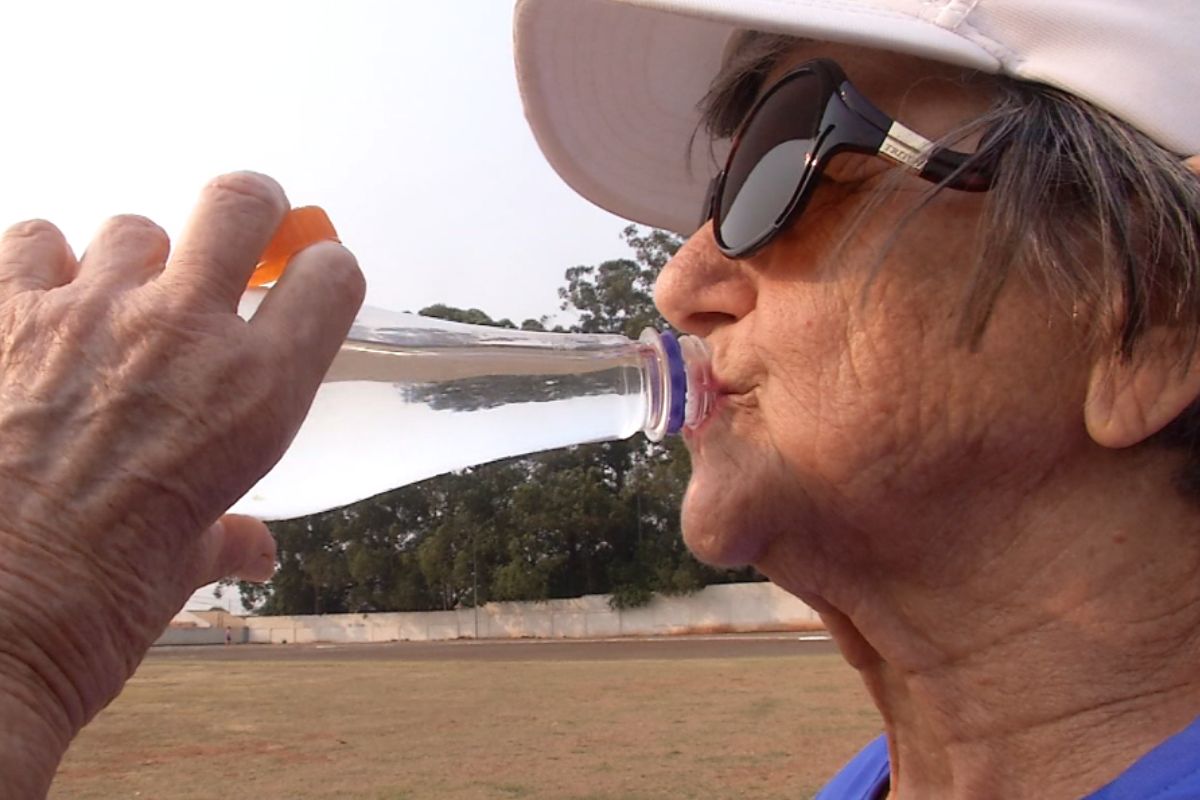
(715, 609)
(188, 636)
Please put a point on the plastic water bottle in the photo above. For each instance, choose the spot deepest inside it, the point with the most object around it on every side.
(410, 397)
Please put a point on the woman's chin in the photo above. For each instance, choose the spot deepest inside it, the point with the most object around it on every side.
(719, 525)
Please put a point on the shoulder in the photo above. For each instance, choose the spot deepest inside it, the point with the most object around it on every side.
(1170, 771)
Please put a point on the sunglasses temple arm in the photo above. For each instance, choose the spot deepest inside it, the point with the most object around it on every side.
(912, 150)
(958, 171)
(898, 143)
(906, 147)
(895, 142)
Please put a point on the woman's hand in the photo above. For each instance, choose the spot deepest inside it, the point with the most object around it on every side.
(135, 406)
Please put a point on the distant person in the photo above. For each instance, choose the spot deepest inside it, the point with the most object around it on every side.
(228, 636)
(959, 380)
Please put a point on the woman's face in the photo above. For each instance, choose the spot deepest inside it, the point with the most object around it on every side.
(852, 419)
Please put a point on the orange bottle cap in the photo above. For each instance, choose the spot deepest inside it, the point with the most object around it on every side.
(300, 228)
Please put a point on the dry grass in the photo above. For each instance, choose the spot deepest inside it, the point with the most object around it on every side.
(394, 730)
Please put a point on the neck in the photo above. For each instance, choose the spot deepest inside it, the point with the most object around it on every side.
(1062, 638)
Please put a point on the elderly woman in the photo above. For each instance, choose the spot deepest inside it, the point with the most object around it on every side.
(950, 271)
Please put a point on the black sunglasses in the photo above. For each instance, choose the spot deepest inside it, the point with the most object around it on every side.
(810, 115)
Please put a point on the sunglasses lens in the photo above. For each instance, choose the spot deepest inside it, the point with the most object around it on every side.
(770, 161)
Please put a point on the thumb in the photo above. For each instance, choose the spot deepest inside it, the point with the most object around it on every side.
(237, 546)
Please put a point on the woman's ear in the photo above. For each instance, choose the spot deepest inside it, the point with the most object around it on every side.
(1132, 398)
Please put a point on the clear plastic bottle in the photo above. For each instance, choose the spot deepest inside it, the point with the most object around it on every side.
(410, 397)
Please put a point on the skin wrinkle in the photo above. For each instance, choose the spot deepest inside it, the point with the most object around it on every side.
(133, 373)
(127, 233)
(25, 699)
(989, 752)
(46, 670)
(978, 554)
(57, 257)
(926, 421)
(207, 281)
(113, 586)
(857, 364)
(151, 481)
(124, 579)
(1130, 704)
(39, 732)
(46, 609)
(26, 518)
(983, 614)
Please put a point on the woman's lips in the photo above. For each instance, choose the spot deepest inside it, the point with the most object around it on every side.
(721, 385)
(725, 394)
(726, 387)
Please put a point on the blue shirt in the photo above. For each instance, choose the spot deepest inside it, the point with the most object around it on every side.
(1170, 771)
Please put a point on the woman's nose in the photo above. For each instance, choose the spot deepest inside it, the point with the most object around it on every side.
(700, 289)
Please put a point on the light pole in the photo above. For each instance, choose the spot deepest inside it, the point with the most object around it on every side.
(475, 578)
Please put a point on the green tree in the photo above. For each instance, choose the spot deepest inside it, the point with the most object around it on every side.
(469, 316)
(618, 296)
(312, 576)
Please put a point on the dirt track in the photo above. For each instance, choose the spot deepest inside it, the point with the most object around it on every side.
(720, 718)
(682, 647)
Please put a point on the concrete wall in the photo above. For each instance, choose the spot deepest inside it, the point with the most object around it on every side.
(716, 609)
(197, 636)
(220, 619)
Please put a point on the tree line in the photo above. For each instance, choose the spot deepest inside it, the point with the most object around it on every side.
(591, 519)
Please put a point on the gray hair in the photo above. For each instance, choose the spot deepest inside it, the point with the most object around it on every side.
(1068, 176)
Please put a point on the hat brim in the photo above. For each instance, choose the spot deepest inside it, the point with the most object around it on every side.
(611, 88)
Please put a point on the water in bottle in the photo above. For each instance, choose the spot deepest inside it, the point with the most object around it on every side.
(410, 397)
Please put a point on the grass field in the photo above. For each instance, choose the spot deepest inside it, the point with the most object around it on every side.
(395, 729)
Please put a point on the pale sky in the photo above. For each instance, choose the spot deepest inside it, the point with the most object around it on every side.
(401, 118)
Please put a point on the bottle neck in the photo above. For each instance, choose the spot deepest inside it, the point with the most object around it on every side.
(678, 380)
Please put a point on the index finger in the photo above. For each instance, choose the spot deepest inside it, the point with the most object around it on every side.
(230, 227)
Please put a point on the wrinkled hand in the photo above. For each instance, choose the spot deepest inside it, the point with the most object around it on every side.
(135, 407)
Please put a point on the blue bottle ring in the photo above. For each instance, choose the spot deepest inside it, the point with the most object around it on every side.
(677, 378)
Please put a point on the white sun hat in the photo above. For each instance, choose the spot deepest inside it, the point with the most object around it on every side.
(611, 86)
